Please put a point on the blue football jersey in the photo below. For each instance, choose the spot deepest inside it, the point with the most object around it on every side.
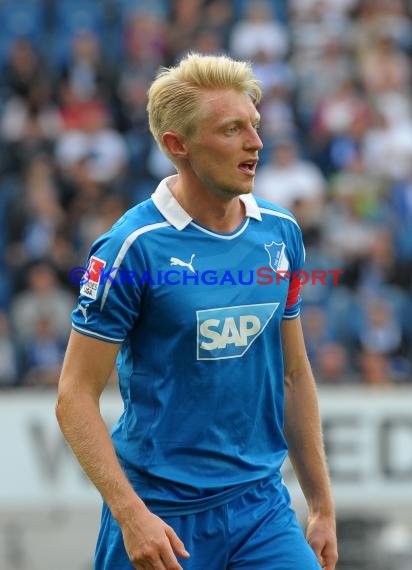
(198, 314)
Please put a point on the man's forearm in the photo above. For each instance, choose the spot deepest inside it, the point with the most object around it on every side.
(304, 437)
(84, 429)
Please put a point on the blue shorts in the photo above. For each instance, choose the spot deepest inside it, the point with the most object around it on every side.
(256, 531)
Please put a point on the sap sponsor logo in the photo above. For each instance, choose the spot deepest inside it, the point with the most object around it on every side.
(229, 332)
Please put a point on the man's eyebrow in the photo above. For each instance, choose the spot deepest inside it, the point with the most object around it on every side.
(238, 120)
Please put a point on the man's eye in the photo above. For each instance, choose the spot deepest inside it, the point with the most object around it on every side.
(231, 130)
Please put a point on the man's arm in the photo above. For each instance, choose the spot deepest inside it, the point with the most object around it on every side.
(306, 451)
(86, 369)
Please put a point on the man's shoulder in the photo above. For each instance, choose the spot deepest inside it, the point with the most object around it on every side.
(139, 219)
(136, 222)
(267, 208)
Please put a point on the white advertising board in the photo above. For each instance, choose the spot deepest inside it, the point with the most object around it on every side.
(368, 437)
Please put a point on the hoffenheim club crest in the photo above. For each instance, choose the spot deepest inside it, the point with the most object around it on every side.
(277, 256)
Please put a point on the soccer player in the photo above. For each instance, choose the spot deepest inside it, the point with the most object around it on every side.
(193, 292)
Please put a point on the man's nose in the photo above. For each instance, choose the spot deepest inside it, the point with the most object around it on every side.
(253, 140)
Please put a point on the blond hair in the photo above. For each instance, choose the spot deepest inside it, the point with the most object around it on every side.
(173, 97)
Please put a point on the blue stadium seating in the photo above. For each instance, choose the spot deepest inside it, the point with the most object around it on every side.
(125, 7)
(21, 19)
(279, 9)
(72, 16)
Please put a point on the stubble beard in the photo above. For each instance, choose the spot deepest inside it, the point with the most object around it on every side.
(228, 191)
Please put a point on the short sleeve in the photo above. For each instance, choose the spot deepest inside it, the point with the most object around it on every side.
(297, 261)
(110, 292)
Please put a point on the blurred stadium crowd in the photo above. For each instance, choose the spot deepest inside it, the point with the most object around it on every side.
(75, 152)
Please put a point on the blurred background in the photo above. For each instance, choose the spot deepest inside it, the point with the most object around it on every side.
(75, 152)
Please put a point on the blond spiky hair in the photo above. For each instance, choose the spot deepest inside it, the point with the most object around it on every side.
(173, 97)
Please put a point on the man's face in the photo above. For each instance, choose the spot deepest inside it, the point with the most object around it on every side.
(223, 151)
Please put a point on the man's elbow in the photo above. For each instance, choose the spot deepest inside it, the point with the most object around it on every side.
(61, 409)
(293, 375)
(288, 380)
(65, 404)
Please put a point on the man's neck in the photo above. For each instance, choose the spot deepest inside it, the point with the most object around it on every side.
(217, 213)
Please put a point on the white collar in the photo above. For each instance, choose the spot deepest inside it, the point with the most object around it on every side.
(170, 208)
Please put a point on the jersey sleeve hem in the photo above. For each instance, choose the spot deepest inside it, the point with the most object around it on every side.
(97, 335)
(292, 316)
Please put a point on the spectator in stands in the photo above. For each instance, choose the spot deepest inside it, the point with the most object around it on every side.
(384, 67)
(31, 124)
(279, 120)
(35, 215)
(345, 233)
(143, 43)
(22, 70)
(316, 330)
(381, 334)
(186, 19)
(85, 73)
(278, 81)
(331, 365)
(73, 109)
(314, 23)
(258, 31)
(132, 100)
(96, 219)
(44, 355)
(218, 16)
(83, 195)
(367, 191)
(97, 143)
(45, 298)
(273, 71)
(375, 369)
(207, 41)
(338, 110)
(381, 267)
(9, 355)
(400, 196)
(288, 180)
(331, 65)
(387, 144)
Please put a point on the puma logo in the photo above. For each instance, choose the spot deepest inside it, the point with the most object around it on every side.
(177, 261)
(83, 311)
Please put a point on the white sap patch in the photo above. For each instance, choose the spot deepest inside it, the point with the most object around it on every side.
(228, 332)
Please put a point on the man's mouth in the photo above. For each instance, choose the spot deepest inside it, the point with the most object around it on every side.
(248, 167)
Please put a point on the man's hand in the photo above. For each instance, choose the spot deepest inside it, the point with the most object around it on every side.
(321, 535)
(150, 543)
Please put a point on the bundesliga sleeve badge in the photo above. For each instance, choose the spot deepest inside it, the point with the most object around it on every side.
(91, 278)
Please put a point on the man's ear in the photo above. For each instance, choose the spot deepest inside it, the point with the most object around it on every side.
(175, 144)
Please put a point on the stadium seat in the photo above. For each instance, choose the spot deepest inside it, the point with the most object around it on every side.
(279, 9)
(344, 316)
(72, 16)
(156, 7)
(22, 19)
